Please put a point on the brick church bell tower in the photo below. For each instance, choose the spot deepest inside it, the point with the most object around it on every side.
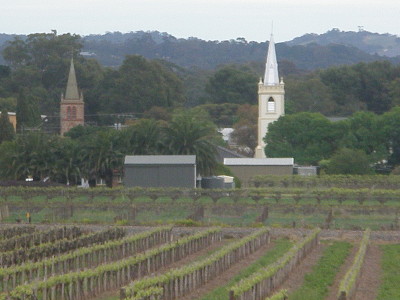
(72, 107)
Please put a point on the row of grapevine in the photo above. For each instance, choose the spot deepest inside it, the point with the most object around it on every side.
(127, 197)
(349, 282)
(262, 283)
(281, 295)
(87, 257)
(4, 211)
(9, 232)
(90, 283)
(29, 240)
(179, 282)
(37, 253)
(327, 181)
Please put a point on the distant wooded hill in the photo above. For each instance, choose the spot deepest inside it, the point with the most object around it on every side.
(308, 52)
(372, 43)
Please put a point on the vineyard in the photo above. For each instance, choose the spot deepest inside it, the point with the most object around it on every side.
(285, 238)
(166, 262)
(280, 202)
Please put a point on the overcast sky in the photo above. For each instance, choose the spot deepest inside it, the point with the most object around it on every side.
(205, 19)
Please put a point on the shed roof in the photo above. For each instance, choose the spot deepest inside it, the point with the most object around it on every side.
(259, 161)
(160, 159)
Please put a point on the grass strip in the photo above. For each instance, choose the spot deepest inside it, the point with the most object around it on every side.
(222, 292)
(349, 282)
(316, 283)
(280, 295)
(390, 288)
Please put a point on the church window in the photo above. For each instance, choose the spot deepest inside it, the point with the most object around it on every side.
(271, 105)
(73, 113)
(69, 113)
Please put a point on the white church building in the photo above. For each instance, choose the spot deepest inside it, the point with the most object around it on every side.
(271, 98)
(271, 105)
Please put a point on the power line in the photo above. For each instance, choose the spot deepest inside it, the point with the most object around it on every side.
(103, 114)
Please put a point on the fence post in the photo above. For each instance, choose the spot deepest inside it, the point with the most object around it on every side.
(342, 296)
(231, 295)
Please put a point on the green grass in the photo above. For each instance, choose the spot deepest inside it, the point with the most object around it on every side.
(373, 221)
(48, 215)
(142, 200)
(230, 217)
(316, 283)
(280, 247)
(93, 216)
(162, 216)
(390, 288)
(285, 219)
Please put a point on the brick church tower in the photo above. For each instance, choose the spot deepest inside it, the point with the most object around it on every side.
(72, 107)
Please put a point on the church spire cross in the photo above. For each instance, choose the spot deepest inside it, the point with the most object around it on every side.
(271, 76)
(72, 92)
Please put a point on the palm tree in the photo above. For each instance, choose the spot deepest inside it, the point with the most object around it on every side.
(33, 156)
(6, 128)
(8, 152)
(143, 138)
(67, 166)
(188, 134)
(100, 156)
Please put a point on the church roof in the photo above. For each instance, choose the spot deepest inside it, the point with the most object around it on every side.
(72, 92)
(271, 67)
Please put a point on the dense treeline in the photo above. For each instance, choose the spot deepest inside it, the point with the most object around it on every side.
(336, 91)
(36, 76)
(349, 146)
(308, 52)
(95, 152)
(37, 72)
(40, 63)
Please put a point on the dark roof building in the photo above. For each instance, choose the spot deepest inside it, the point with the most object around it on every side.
(246, 168)
(160, 171)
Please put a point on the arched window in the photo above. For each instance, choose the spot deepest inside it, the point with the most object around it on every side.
(73, 112)
(69, 114)
(271, 105)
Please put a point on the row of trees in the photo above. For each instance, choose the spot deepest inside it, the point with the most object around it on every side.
(335, 91)
(95, 152)
(364, 139)
(37, 72)
(40, 63)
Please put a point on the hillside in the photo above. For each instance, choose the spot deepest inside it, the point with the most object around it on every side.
(369, 42)
(308, 52)
(111, 48)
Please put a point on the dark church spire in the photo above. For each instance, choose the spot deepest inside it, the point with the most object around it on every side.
(72, 92)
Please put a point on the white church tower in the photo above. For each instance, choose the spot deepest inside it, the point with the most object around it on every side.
(271, 98)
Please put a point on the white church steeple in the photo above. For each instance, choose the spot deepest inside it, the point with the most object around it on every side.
(271, 76)
(271, 98)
